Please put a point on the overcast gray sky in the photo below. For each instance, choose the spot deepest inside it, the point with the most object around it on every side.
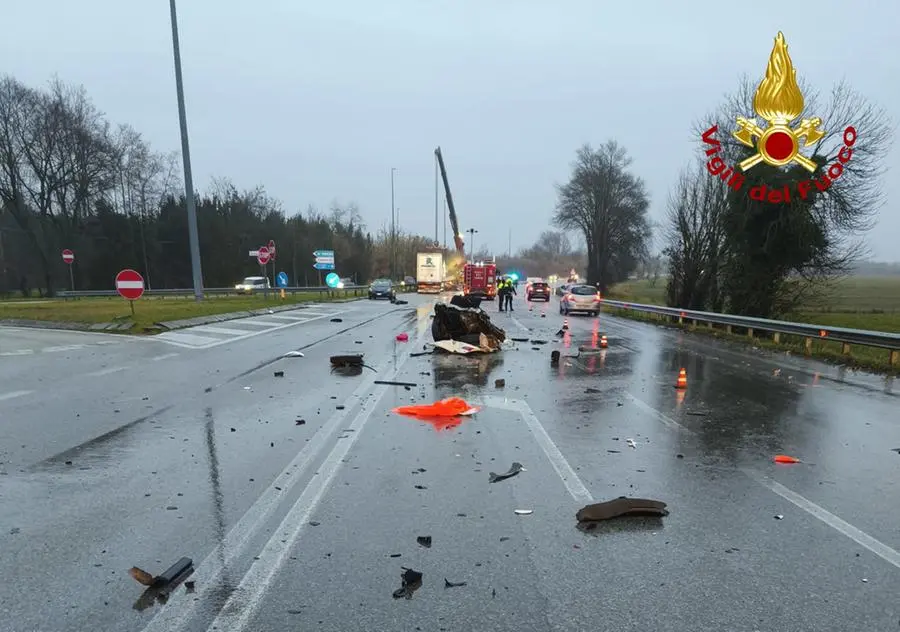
(318, 100)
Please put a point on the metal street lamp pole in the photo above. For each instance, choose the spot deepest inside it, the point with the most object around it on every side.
(393, 228)
(186, 159)
(472, 232)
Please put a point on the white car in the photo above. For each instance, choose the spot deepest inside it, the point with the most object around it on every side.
(252, 284)
(581, 298)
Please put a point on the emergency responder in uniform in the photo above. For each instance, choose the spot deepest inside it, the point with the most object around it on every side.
(501, 294)
(510, 290)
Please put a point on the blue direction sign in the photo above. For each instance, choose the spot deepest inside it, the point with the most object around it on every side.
(324, 253)
(324, 266)
(332, 280)
(282, 279)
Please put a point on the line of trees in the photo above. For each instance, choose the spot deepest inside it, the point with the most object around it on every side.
(71, 179)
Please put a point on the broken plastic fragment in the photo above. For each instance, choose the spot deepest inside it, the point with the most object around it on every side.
(621, 506)
(424, 540)
(412, 581)
(141, 576)
(449, 584)
(294, 354)
(513, 470)
(783, 458)
(524, 512)
(450, 407)
(631, 443)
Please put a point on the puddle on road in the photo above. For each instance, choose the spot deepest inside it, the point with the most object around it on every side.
(456, 372)
(440, 424)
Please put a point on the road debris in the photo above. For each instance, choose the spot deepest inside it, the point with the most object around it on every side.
(590, 389)
(395, 383)
(400, 302)
(519, 339)
(178, 571)
(424, 540)
(450, 407)
(538, 342)
(897, 450)
(449, 584)
(513, 470)
(293, 354)
(279, 373)
(631, 443)
(621, 506)
(499, 383)
(783, 458)
(778, 517)
(337, 320)
(554, 357)
(300, 422)
(524, 512)
(470, 325)
(411, 582)
(402, 337)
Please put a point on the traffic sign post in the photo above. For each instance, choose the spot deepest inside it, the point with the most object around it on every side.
(263, 256)
(68, 258)
(130, 286)
(282, 279)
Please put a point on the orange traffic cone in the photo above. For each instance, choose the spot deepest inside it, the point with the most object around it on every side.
(603, 342)
(681, 382)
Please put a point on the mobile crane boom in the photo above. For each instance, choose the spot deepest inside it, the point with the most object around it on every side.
(454, 222)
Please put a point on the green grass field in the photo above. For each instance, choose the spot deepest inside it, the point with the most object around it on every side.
(147, 311)
(857, 302)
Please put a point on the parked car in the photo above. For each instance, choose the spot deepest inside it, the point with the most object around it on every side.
(253, 284)
(538, 290)
(382, 288)
(580, 298)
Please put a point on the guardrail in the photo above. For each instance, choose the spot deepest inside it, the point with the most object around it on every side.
(809, 332)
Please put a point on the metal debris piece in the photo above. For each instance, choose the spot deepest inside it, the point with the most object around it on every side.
(395, 383)
(141, 576)
(449, 584)
(621, 506)
(347, 360)
(424, 540)
(411, 582)
(293, 354)
(513, 470)
(779, 517)
(524, 512)
(519, 339)
(631, 443)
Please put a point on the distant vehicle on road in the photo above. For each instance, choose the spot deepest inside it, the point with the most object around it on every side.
(430, 272)
(580, 298)
(480, 279)
(253, 284)
(538, 290)
(382, 288)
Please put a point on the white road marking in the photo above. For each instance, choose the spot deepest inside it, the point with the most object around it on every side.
(245, 600)
(219, 330)
(108, 371)
(20, 352)
(286, 317)
(859, 536)
(164, 356)
(258, 323)
(196, 342)
(519, 324)
(178, 611)
(62, 348)
(181, 339)
(577, 489)
(13, 394)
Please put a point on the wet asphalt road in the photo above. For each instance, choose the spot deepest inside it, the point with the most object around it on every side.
(307, 527)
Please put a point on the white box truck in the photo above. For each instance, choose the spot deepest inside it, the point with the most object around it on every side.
(429, 272)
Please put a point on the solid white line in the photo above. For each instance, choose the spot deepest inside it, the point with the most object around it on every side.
(210, 329)
(164, 356)
(577, 489)
(246, 599)
(13, 394)
(62, 348)
(130, 285)
(860, 537)
(108, 371)
(178, 611)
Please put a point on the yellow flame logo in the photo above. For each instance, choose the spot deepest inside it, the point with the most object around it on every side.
(778, 101)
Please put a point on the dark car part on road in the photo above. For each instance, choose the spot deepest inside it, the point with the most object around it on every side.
(449, 584)
(499, 383)
(412, 581)
(621, 506)
(279, 373)
(554, 357)
(424, 540)
(337, 320)
(513, 470)
(394, 383)
(347, 360)
(519, 339)
(466, 302)
(175, 571)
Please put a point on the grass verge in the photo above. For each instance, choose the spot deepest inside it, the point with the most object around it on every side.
(151, 310)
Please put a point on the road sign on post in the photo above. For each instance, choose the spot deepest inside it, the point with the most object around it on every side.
(323, 266)
(332, 280)
(271, 248)
(68, 256)
(282, 279)
(262, 255)
(130, 285)
(324, 259)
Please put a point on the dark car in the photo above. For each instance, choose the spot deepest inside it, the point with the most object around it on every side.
(382, 288)
(538, 290)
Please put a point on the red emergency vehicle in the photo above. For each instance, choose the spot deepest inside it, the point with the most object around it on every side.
(480, 279)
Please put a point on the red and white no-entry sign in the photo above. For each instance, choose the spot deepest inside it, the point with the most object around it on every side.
(68, 256)
(130, 284)
(271, 248)
(263, 255)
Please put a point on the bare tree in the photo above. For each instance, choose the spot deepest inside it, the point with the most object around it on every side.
(608, 205)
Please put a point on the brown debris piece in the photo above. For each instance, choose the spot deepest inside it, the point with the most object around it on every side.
(141, 576)
(500, 383)
(621, 506)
